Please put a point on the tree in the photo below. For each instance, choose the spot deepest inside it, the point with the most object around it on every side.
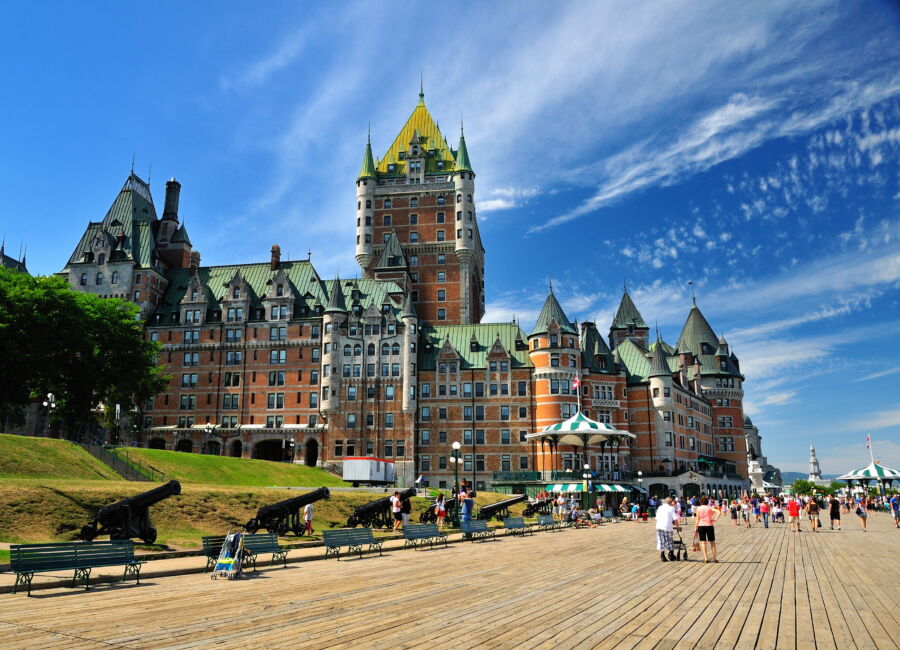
(85, 349)
(802, 486)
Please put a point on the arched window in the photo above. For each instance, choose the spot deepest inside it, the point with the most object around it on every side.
(115, 278)
(346, 350)
(395, 349)
(368, 203)
(385, 349)
(370, 351)
(84, 279)
(459, 198)
(358, 205)
(101, 259)
(469, 196)
(357, 350)
(99, 279)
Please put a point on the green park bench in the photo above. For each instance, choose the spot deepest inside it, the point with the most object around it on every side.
(477, 529)
(516, 526)
(421, 534)
(28, 559)
(353, 538)
(547, 522)
(255, 544)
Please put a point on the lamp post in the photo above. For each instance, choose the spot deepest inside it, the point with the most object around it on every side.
(208, 429)
(50, 404)
(640, 483)
(586, 475)
(455, 460)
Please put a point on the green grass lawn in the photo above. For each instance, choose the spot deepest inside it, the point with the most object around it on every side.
(26, 457)
(4, 556)
(223, 470)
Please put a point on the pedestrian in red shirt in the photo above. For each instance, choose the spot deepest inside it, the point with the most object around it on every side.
(793, 512)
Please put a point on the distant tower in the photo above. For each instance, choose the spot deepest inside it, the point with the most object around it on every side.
(815, 474)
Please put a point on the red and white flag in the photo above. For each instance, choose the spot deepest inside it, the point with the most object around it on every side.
(576, 383)
(868, 441)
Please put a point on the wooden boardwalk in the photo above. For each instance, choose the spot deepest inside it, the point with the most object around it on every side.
(603, 588)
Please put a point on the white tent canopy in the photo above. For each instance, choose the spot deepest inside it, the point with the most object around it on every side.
(582, 431)
(871, 472)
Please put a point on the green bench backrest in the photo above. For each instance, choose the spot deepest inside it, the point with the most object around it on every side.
(418, 531)
(544, 520)
(335, 537)
(33, 557)
(475, 526)
(514, 522)
(213, 545)
(360, 535)
(262, 542)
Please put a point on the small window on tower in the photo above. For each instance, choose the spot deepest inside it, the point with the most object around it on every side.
(414, 202)
(387, 220)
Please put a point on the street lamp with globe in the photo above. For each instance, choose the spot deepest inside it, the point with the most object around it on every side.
(586, 475)
(455, 460)
(50, 404)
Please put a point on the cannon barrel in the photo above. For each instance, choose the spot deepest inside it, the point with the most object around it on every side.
(293, 503)
(493, 509)
(139, 501)
(541, 506)
(376, 512)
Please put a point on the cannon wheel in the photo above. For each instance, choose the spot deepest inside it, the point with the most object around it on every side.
(251, 526)
(150, 536)
(282, 529)
(88, 532)
(352, 521)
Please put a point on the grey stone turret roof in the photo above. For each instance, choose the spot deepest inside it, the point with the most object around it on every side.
(699, 338)
(659, 364)
(408, 311)
(594, 349)
(628, 314)
(551, 311)
(181, 236)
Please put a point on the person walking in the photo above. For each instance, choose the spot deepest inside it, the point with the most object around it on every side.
(812, 510)
(440, 510)
(666, 521)
(793, 514)
(560, 509)
(745, 510)
(734, 509)
(862, 508)
(396, 510)
(834, 512)
(405, 511)
(895, 509)
(705, 528)
(764, 511)
(308, 512)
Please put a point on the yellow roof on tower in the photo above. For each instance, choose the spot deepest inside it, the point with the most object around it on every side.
(429, 135)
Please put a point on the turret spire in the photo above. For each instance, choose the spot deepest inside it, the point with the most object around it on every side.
(367, 170)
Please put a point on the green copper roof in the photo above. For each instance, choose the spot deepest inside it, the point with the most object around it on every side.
(699, 338)
(628, 314)
(462, 156)
(549, 312)
(368, 164)
(594, 350)
(408, 311)
(460, 337)
(392, 256)
(634, 358)
(336, 302)
(181, 236)
(659, 366)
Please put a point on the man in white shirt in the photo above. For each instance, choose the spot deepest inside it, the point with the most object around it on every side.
(666, 521)
(308, 511)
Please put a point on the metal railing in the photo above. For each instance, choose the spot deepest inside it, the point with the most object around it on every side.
(517, 476)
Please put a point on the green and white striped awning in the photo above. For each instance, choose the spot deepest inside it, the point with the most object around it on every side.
(872, 472)
(580, 430)
(611, 487)
(564, 487)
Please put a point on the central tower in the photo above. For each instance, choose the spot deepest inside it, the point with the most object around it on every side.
(416, 223)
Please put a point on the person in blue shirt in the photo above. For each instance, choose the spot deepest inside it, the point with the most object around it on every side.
(895, 510)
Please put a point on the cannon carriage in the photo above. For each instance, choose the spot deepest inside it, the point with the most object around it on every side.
(499, 510)
(539, 507)
(129, 517)
(376, 514)
(285, 516)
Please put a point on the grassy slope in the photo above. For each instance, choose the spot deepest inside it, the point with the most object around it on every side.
(47, 510)
(25, 457)
(223, 470)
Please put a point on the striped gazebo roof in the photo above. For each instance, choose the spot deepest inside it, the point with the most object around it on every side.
(871, 472)
(580, 430)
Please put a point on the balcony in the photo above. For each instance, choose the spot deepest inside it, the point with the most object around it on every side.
(517, 476)
(562, 476)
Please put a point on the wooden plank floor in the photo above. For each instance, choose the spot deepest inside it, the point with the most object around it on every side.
(603, 588)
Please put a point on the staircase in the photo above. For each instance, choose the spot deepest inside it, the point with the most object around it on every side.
(130, 471)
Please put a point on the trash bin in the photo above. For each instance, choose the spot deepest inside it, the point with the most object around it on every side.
(644, 515)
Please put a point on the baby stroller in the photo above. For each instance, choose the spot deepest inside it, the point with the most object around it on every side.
(680, 546)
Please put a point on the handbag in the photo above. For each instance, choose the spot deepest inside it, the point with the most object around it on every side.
(818, 523)
(695, 546)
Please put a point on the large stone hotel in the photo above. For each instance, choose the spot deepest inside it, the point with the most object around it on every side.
(270, 360)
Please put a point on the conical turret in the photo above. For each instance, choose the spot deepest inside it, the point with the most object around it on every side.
(368, 164)
(462, 163)
(628, 323)
(336, 302)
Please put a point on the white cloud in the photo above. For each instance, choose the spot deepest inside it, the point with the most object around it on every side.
(494, 204)
(878, 375)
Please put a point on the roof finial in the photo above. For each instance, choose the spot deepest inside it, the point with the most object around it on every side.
(657, 331)
(149, 173)
(132, 162)
(369, 134)
(625, 284)
(421, 84)
(550, 280)
(24, 253)
(693, 295)
(3, 248)
(462, 131)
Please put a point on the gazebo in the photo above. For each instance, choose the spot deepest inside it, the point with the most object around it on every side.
(871, 472)
(580, 431)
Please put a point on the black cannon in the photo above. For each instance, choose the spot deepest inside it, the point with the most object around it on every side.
(129, 517)
(539, 507)
(429, 516)
(499, 510)
(376, 514)
(284, 516)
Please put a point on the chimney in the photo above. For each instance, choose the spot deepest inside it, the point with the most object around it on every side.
(173, 191)
(276, 257)
(195, 262)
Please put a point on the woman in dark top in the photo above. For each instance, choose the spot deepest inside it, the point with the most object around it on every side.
(812, 509)
(834, 511)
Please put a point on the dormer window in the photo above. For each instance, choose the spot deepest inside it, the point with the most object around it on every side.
(279, 290)
(193, 295)
(402, 155)
(99, 279)
(554, 340)
(440, 165)
(236, 293)
(83, 279)
(415, 150)
(101, 259)
(391, 168)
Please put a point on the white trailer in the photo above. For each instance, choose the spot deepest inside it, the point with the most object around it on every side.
(364, 470)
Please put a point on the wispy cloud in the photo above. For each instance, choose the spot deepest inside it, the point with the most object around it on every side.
(878, 375)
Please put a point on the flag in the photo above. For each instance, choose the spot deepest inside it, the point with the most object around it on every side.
(868, 441)
(576, 383)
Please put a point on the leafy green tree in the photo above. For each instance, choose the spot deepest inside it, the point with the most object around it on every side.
(85, 349)
(802, 486)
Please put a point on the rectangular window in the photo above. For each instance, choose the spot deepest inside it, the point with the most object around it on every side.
(504, 412)
(505, 463)
(441, 236)
(278, 357)
(504, 437)
(442, 314)
(479, 412)
(388, 420)
(400, 448)
(425, 463)
(275, 401)
(467, 463)
(388, 448)
(425, 437)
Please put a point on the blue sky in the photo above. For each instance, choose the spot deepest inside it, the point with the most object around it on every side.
(752, 149)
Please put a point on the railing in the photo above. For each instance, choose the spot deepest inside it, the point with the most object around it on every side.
(136, 467)
(517, 476)
(575, 476)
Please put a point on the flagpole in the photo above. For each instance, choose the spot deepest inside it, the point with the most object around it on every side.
(869, 445)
